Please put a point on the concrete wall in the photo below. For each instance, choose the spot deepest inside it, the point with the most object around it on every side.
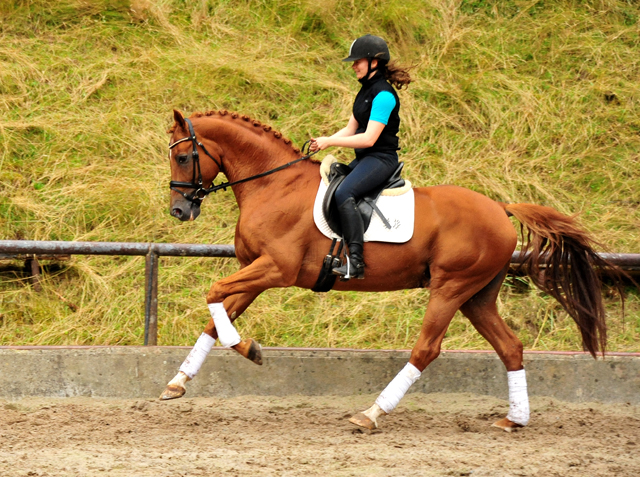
(142, 372)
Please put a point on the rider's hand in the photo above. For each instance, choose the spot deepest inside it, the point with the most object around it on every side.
(319, 144)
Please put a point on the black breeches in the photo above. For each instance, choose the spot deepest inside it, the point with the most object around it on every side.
(367, 174)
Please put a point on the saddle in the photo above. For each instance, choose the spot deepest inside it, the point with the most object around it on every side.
(366, 205)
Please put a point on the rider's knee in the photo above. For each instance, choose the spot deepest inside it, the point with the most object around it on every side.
(342, 195)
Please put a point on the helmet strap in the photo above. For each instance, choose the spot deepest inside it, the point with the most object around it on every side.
(369, 70)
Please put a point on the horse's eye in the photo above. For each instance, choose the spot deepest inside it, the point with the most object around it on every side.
(182, 158)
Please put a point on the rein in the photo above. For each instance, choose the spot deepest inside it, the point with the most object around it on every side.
(199, 191)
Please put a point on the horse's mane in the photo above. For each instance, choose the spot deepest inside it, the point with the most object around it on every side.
(254, 122)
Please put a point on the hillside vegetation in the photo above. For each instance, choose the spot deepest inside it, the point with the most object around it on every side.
(524, 101)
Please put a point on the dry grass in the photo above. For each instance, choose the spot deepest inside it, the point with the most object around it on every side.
(525, 102)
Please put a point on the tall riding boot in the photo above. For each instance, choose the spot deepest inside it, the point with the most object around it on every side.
(353, 233)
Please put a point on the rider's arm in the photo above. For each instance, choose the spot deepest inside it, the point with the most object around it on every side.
(349, 130)
(320, 143)
(357, 141)
(381, 109)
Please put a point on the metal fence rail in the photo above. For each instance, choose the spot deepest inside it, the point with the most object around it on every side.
(152, 251)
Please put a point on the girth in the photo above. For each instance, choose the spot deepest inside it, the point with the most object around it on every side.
(366, 205)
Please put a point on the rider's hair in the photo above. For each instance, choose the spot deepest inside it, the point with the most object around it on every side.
(396, 74)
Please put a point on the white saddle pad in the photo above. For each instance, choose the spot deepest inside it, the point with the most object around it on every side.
(397, 205)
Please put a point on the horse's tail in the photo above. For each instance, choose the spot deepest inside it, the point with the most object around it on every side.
(570, 267)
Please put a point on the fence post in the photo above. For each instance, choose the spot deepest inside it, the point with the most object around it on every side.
(151, 298)
(34, 267)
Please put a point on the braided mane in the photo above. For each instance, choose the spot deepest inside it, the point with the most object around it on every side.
(254, 122)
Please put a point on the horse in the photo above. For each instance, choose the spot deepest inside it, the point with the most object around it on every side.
(461, 250)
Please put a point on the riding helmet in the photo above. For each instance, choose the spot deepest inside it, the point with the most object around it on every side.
(369, 46)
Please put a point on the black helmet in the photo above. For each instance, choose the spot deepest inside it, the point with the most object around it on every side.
(369, 46)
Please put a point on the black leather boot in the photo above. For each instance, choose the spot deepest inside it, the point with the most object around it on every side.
(353, 233)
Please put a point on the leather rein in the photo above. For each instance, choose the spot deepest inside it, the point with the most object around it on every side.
(199, 191)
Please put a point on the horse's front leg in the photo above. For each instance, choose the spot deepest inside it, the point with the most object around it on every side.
(248, 348)
(226, 300)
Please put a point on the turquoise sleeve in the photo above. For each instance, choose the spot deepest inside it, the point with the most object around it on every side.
(381, 108)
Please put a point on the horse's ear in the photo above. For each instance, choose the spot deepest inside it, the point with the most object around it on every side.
(179, 118)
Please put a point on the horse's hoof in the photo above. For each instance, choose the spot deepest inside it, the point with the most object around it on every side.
(506, 425)
(172, 392)
(251, 350)
(363, 421)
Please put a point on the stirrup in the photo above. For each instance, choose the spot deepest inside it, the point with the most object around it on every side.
(345, 271)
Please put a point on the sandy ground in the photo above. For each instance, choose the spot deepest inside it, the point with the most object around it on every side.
(428, 435)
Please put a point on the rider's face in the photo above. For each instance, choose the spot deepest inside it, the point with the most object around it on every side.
(361, 67)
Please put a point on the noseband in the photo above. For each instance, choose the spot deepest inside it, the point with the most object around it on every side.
(199, 191)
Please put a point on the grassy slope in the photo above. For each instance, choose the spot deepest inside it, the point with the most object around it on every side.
(526, 102)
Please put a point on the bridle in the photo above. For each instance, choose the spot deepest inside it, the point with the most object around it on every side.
(199, 191)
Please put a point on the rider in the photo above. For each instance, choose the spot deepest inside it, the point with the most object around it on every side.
(372, 131)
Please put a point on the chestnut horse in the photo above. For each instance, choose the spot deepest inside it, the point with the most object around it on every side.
(461, 250)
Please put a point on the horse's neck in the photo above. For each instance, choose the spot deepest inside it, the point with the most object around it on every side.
(247, 154)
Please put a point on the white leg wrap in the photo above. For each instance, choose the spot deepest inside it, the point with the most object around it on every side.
(194, 361)
(390, 397)
(227, 334)
(518, 398)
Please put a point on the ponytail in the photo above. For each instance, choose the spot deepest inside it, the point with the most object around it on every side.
(397, 75)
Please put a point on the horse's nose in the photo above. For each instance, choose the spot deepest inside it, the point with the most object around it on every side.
(177, 212)
(184, 211)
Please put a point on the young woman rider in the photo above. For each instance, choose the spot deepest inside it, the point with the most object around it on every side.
(373, 132)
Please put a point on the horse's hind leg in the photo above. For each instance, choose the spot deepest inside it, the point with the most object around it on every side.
(482, 311)
(439, 313)
(249, 348)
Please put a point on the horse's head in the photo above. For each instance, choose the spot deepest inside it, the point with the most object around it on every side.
(191, 173)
